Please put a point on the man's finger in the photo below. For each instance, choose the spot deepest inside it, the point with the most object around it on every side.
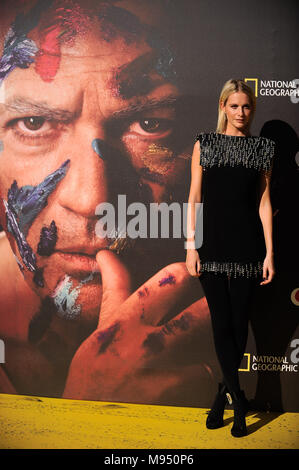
(116, 283)
(162, 297)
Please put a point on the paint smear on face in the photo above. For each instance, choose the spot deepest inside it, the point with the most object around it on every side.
(65, 297)
(3, 214)
(26, 252)
(158, 159)
(22, 207)
(19, 264)
(20, 51)
(165, 61)
(98, 146)
(170, 279)
(38, 278)
(48, 239)
(60, 26)
(28, 201)
(1, 146)
(48, 57)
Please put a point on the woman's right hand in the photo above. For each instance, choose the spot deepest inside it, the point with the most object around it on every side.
(193, 263)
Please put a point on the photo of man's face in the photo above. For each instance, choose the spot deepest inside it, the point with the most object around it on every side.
(90, 110)
(92, 114)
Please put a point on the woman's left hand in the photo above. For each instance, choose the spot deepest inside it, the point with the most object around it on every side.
(268, 269)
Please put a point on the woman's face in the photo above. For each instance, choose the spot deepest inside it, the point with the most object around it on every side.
(238, 109)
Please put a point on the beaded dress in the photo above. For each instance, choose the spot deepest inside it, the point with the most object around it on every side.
(233, 240)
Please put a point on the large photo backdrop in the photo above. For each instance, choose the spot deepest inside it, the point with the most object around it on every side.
(100, 103)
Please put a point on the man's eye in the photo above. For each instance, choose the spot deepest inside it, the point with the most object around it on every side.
(156, 126)
(33, 129)
(32, 126)
(150, 125)
(33, 123)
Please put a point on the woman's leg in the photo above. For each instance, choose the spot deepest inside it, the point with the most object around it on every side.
(241, 295)
(216, 289)
(241, 292)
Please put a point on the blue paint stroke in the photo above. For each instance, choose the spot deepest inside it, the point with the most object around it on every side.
(170, 279)
(1, 146)
(28, 201)
(165, 61)
(25, 250)
(19, 51)
(22, 207)
(38, 278)
(65, 297)
(19, 264)
(48, 239)
(96, 145)
(143, 293)
(106, 337)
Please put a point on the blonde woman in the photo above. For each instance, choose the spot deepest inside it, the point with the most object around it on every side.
(230, 175)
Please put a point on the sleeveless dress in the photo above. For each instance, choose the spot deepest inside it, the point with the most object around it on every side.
(233, 240)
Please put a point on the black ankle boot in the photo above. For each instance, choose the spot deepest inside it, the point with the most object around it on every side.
(241, 407)
(215, 416)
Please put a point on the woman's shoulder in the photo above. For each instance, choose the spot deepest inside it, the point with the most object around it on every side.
(265, 148)
(266, 141)
(205, 136)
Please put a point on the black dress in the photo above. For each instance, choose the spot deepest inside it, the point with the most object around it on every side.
(233, 240)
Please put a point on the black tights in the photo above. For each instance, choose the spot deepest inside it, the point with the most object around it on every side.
(229, 301)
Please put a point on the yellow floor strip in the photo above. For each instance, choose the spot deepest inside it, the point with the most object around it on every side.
(49, 423)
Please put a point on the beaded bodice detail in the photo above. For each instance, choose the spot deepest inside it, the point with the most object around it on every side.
(220, 150)
(233, 239)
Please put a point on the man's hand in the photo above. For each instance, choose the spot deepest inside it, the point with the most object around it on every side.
(149, 345)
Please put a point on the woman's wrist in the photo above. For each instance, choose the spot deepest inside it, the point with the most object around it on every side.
(190, 247)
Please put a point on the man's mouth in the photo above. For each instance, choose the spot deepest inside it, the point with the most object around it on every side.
(78, 261)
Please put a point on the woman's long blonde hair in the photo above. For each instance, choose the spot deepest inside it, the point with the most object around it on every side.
(233, 86)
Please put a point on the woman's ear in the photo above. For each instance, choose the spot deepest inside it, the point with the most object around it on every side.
(222, 105)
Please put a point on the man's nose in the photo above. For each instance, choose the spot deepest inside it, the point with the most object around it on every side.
(85, 184)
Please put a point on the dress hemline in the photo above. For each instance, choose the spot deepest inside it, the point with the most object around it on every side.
(230, 268)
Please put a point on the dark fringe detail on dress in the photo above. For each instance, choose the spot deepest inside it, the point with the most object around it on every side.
(249, 151)
(235, 269)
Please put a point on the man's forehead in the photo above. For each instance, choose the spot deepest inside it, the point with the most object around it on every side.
(122, 76)
(122, 93)
(80, 43)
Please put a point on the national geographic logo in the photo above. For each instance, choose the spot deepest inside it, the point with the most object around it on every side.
(289, 88)
(270, 363)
